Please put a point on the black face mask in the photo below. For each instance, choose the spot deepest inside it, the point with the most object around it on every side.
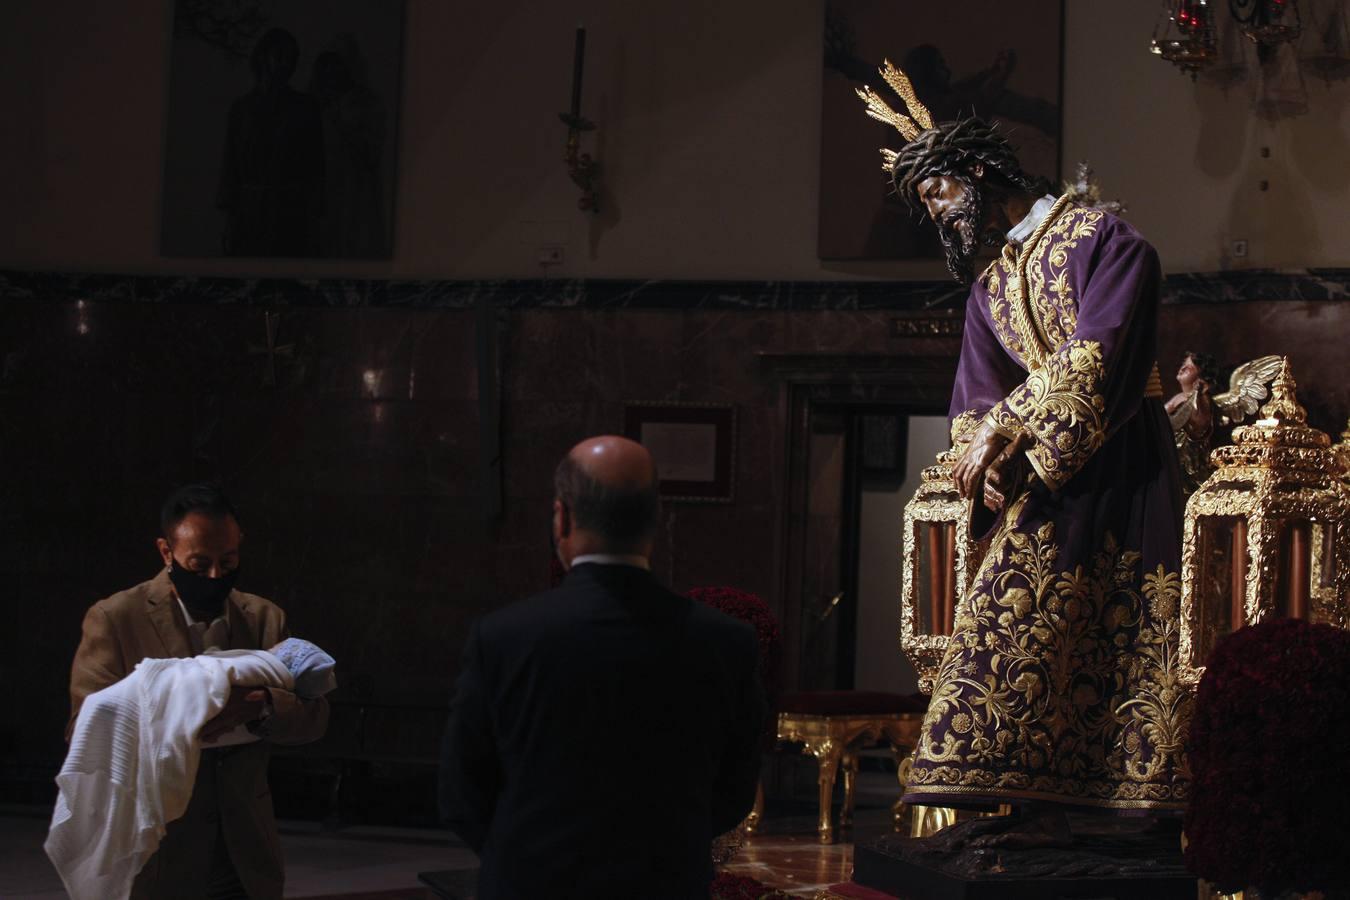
(204, 597)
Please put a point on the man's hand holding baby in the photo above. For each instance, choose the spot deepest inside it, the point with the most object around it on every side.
(245, 704)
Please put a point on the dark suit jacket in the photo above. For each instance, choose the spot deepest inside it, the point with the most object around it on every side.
(601, 735)
(231, 786)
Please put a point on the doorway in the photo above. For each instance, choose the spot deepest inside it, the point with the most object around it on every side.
(878, 663)
(848, 420)
(863, 463)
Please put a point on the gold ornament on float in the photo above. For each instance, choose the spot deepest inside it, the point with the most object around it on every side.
(1343, 451)
(939, 559)
(1268, 533)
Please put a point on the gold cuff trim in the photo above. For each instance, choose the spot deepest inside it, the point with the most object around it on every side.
(1038, 466)
(1010, 432)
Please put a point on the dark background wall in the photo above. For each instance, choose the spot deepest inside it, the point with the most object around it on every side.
(709, 119)
(360, 475)
(366, 501)
(366, 517)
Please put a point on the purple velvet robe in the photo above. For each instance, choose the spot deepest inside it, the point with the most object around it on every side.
(1061, 682)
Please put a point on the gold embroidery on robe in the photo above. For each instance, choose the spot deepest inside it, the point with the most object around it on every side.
(1052, 300)
(1062, 407)
(1000, 280)
(1031, 300)
(1004, 422)
(1060, 684)
(1035, 315)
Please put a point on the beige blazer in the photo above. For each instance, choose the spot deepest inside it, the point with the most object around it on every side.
(231, 789)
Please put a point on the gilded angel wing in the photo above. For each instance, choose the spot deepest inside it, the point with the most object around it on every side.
(1247, 388)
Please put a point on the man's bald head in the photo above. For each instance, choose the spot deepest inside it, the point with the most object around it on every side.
(608, 486)
(615, 461)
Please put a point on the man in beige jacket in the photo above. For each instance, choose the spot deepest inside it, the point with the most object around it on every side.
(226, 844)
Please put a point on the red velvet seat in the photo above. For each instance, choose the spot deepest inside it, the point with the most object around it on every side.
(832, 725)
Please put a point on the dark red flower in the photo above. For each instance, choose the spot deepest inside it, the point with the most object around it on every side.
(741, 887)
(1270, 758)
(750, 608)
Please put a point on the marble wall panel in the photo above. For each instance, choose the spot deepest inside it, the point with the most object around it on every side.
(364, 497)
(354, 502)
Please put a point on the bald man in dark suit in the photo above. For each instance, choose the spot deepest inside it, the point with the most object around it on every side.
(602, 733)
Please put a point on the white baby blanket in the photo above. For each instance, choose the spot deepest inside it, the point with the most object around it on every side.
(133, 760)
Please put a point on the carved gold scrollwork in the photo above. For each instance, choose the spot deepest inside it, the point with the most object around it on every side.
(1268, 533)
(937, 511)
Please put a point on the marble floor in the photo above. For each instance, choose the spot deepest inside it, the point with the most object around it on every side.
(382, 863)
(794, 863)
(350, 863)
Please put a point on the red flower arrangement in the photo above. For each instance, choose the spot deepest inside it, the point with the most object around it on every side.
(741, 887)
(751, 609)
(1270, 743)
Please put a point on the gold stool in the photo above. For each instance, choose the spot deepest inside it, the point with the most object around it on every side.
(834, 725)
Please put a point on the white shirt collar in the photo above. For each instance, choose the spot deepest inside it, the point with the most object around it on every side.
(613, 559)
(1027, 227)
(187, 615)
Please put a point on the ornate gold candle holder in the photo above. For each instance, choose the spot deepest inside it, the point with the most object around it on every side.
(1268, 533)
(939, 559)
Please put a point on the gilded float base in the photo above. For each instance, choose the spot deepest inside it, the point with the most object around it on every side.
(1210, 892)
(1126, 862)
(926, 821)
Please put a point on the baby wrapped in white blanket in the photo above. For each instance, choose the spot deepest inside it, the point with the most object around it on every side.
(134, 754)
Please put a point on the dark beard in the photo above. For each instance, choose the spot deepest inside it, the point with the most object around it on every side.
(960, 242)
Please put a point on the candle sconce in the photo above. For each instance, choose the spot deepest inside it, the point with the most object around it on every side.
(584, 171)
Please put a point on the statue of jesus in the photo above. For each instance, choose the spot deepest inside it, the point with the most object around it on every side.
(1061, 686)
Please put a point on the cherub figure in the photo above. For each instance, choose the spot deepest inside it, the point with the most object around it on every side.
(1192, 410)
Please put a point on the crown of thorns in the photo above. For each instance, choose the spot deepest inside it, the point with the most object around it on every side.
(947, 148)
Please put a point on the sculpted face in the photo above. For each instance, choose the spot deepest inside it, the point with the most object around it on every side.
(1188, 375)
(963, 218)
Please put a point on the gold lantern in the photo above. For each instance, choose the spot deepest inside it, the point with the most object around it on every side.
(1326, 596)
(939, 559)
(1268, 532)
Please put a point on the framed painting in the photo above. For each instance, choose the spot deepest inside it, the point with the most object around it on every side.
(1001, 61)
(694, 446)
(882, 440)
(282, 127)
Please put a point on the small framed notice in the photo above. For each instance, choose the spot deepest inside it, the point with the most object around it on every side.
(694, 446)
